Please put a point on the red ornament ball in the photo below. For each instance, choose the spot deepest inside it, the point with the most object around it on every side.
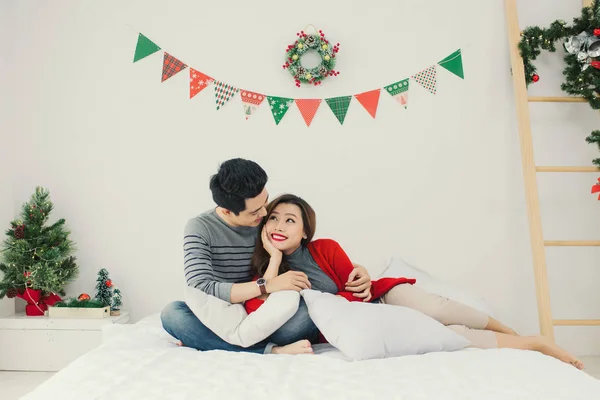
(535, 78)
(83, 296)
(109, 283)
(596, 32)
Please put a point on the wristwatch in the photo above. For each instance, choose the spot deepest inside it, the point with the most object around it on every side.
(261, 282)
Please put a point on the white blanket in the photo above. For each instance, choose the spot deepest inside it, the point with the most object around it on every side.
(141, 362)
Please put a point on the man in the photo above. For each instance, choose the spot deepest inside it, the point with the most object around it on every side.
(218, 247)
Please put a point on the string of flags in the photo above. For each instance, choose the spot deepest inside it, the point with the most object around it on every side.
(279, 106)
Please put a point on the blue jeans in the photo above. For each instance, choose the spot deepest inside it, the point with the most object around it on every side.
(182, 324)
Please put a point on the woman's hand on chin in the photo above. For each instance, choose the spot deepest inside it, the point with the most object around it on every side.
(269, 247)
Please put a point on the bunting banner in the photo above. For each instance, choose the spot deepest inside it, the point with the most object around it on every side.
(251, 100)
(427, 78)
(339, 106)
(279, 106)
(453, 63)
(198, 82)
(144, 48)
(399, 91)
(369, 100)
(171, 66)
(223, 93)
(308, 108)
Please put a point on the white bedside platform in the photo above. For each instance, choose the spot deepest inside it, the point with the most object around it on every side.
(49, 344)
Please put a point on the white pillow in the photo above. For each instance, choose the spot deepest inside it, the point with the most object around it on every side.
(399, 268)
(232, 323)
(365, 331)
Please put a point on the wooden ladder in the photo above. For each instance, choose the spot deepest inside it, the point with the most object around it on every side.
(530, 171)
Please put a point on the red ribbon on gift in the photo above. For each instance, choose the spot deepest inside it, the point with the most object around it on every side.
(36, 304)
(596, 188)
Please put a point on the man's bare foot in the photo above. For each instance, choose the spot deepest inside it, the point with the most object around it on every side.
(179, 343)
(299, 347)
(545, 346)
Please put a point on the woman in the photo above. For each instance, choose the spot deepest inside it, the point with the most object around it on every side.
(286, 244)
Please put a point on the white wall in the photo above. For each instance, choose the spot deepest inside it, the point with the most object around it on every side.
(127, 158)
(7, 148)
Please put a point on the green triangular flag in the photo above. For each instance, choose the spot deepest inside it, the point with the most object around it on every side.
(144, 48)
(453, 63)
(279, 106)
(339, 106)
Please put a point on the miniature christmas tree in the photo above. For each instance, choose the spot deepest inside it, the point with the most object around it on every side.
(103, 288)
(117, 302)
(37, 258)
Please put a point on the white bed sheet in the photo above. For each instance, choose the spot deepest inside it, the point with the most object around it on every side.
(140, 361)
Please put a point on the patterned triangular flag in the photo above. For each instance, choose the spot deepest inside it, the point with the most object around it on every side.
(308, 108)
(171, 66)
(339, 106)
(223, 93)
(453, 63)
(251, 101)
(198, 82)
(144, 48)
(279, 106)
(427, 78)
(399, 91)
(369, 100)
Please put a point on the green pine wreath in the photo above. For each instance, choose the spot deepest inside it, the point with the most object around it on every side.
(309, 43)
(581, 41)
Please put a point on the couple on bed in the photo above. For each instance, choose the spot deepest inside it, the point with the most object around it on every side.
(248, 247)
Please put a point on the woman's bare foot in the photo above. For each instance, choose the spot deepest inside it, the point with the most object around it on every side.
(299, 347)
(545, 346)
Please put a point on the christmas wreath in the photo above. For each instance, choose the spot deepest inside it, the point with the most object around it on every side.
(311, 43)
(581, 41)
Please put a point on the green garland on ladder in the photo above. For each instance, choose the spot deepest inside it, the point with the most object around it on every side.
(581, 41)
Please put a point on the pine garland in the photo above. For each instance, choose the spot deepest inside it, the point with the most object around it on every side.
(74, 303)
(579, 81)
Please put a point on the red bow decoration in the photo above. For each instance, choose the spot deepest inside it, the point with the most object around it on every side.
(596, 188)
(36, 304)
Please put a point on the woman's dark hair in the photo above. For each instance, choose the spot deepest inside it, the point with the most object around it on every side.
(260, 258)
(236, 181)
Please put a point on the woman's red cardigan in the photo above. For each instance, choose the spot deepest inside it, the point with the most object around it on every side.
(332, 259)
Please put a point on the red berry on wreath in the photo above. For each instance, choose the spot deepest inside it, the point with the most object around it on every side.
(596, 32)
(27, 274)
(535, 77)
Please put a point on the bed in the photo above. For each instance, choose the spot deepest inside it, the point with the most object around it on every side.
(141, 361)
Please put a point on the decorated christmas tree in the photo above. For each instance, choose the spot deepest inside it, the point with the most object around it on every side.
(37, 258)
(117, 302)
(103, 288)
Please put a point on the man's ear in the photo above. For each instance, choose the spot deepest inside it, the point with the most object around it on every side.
(227, 212)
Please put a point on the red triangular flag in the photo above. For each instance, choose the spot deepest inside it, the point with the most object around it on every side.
(596, 188)
(171, 66)
(369, 100)
(198, 82)
(308, 108)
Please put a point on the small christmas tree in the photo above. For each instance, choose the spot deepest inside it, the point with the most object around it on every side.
(103, 288)
(117, 302)
(37, 258)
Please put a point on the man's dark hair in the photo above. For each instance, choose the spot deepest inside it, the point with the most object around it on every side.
(235, 181)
